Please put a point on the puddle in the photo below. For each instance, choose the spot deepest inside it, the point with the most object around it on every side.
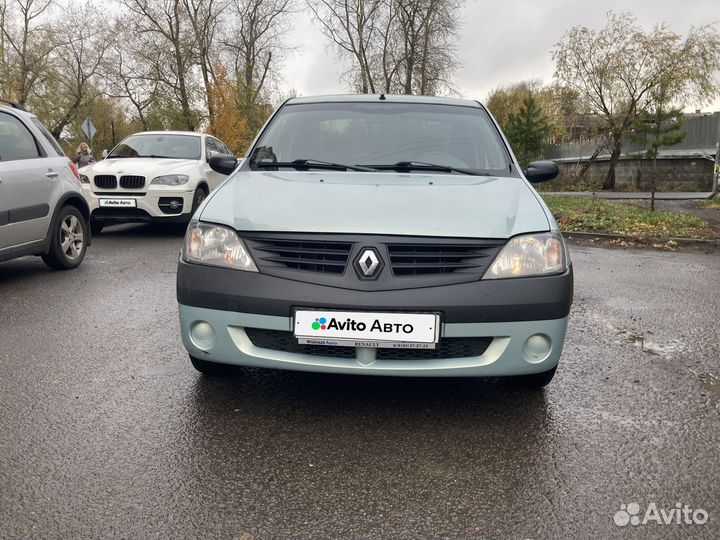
(711, 385)
(647, 342)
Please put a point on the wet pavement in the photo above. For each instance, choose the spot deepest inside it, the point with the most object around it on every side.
(106, 431)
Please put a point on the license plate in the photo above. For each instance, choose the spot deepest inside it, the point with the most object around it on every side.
(118, 203)
(363, 329)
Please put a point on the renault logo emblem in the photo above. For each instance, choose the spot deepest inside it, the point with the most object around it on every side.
(368, 263)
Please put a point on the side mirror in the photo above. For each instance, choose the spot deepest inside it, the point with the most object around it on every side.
(104, 153)
(541, 171)
(223, 164)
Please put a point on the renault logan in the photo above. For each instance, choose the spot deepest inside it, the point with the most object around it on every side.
(377, 235)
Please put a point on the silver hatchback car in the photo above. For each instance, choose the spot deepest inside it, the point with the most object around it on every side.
(42, 209)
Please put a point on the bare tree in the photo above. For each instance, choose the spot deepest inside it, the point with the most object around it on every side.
(25, 47)
(253, 41)
(78, 62)
(128, 81)
(615, 71)
(404, 46)
(168, 48)
(203, 16)
(352, 26)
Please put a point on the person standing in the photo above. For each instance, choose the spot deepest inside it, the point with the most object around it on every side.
(84, 155)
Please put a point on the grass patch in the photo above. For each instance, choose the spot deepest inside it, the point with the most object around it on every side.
(712, 204)
(576, 214)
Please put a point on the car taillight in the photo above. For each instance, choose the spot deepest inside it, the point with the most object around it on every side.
(74, 170)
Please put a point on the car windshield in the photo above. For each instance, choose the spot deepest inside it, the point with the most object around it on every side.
(399, 136)
(158, 145)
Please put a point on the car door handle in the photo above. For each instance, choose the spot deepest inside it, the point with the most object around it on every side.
(51, 174)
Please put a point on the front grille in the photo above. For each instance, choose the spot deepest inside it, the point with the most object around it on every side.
(428, 259)
(447, 348)
(115, 193)
(307, 255)
(106, 181)
(277, 340)
(132, 182)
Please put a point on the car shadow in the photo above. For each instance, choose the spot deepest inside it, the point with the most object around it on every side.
(23, 268)
(329, 395)
(149, 230)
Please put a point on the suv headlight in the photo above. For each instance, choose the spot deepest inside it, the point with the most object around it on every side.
(84, 179)
(216, 246)
(530, 255)
(171, 180)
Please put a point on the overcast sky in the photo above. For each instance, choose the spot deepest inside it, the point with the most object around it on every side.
(501, 42)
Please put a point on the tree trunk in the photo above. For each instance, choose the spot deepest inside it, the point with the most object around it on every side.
(653, 183)
(614, 157)
(586, 165)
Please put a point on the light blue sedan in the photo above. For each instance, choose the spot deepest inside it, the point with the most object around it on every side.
(377, 235)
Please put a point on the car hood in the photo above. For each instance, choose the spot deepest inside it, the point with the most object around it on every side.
(149, 167)
(377, 203)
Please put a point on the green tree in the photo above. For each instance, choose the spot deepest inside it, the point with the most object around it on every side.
(617, 70)
(662, 126)
(528, 130)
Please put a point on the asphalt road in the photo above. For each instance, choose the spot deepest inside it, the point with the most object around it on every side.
(107, 432)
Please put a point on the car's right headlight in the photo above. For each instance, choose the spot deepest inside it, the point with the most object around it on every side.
(171, 180)
(530, 255)
(84, 179)
(215, 245)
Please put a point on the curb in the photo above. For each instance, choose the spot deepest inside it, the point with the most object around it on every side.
(706, 242)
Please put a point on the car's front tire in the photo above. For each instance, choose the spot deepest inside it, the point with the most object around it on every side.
(68, 240)
(200, 195)
(535, 381)
(212, 369)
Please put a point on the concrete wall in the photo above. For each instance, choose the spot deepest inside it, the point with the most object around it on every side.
(677, 174)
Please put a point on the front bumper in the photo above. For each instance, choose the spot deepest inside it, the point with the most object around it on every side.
(506, 354)
(148, 205)
(502, 313)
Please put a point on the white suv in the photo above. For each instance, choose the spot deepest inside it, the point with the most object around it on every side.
(152, 176)
(42, 211)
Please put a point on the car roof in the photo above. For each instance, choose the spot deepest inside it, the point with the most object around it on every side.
(192, 133)
(14, 107)
(383, 98)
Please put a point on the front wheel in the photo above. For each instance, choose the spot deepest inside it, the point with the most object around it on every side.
(212, 369)
(198, 198)
(67, 240)
(535, 381)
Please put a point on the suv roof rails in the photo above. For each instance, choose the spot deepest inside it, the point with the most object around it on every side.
(13, 104)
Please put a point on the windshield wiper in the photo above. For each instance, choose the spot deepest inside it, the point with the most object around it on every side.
(406, 166)
(305, 164)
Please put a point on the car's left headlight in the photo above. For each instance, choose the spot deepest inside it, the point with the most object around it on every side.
(84, 179)
(215, 245)
(171, 180)
(530, 255)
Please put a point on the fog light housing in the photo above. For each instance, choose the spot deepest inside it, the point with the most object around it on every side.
(202, 334)
(537, 348)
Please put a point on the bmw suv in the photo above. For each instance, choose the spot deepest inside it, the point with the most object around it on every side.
(42, 210)
(377, 235)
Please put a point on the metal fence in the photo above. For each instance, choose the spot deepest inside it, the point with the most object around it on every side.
(702, 134)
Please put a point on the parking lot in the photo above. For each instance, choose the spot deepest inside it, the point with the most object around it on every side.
(107, 431)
